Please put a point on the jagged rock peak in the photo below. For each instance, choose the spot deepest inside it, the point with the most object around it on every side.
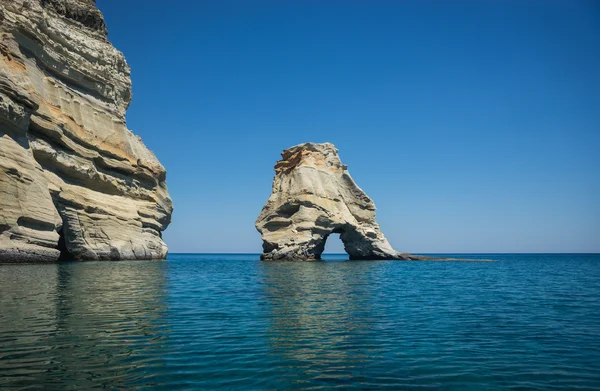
(74, 181)
(314, 196)
(82, 11)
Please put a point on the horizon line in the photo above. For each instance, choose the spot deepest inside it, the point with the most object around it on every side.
(415, 252)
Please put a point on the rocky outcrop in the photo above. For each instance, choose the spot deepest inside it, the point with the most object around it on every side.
(74, 181)
(314, 196)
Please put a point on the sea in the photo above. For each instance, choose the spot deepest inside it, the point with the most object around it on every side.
(232, 322)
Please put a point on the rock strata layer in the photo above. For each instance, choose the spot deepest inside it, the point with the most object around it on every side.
(74, 181)
(314, 196)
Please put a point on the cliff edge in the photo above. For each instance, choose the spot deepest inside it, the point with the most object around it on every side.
(74, 181)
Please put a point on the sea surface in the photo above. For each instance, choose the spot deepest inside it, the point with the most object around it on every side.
(232, 322)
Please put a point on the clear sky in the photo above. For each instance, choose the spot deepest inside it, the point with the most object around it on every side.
(474, 126)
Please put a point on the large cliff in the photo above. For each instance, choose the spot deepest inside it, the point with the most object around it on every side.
(314, 196)
(74, 181)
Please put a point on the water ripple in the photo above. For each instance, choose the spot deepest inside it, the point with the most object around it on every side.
(212, 322)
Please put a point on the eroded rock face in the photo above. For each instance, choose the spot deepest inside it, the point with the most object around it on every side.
(314, 196)
(73, 178)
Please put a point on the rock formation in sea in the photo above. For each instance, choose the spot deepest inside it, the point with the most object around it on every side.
(314, 196)
(74, 181)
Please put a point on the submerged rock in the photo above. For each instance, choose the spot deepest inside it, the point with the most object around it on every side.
(74, 181)
(314, 196)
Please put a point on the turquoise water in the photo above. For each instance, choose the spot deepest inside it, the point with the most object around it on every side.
(221, 322)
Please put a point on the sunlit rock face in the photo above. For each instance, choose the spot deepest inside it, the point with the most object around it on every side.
(314, 196)
(73, 179)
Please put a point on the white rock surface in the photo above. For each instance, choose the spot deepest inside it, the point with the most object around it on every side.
(69, 167)
(314, 196)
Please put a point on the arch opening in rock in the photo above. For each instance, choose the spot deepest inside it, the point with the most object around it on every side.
(313, 196)
(334, 248)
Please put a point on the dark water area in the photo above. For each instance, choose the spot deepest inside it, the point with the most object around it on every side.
(231, 322)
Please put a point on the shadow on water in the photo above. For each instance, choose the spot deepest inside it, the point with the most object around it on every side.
(87, 325)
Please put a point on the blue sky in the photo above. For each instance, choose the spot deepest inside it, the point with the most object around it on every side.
(474, 126)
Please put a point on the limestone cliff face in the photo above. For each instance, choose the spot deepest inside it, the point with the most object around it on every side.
(73, 179)
(313, 196)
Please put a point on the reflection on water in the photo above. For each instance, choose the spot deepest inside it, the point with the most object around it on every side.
(320, 314)
(77, 326)
(231, 322)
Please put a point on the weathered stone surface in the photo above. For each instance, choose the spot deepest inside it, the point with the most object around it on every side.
(314, 196)
(73, 178)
